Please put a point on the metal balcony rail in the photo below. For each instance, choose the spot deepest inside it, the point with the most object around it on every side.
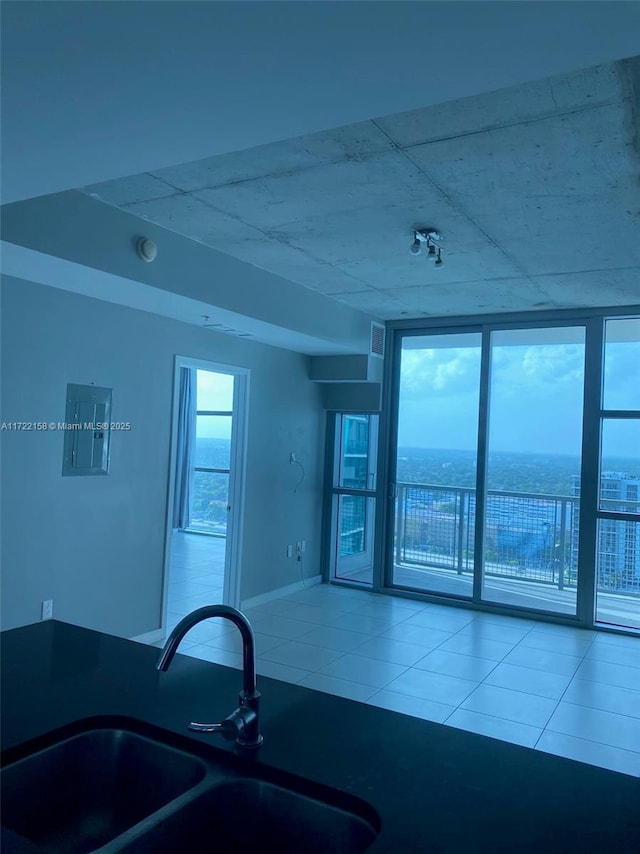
(209, 500)
(528, 537)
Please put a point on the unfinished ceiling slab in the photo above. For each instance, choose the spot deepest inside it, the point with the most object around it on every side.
(191, 217)
(353, 142)
(497, 295)
(128, 191)
(517, 105)
(550, 235)
(532, 188)
(98, 91)
(597, 288)
(343, 186)
(583, 152)
(377, 304)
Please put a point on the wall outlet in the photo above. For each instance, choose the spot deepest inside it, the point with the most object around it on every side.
(47, 609)
(292, 457)
(303, 546)
(289, 551)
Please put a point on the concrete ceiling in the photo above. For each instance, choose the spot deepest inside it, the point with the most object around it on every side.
(535, 189)
(95, 91)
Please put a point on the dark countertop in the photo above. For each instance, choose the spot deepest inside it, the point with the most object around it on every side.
(436, 788)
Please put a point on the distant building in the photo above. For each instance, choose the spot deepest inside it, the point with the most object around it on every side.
(618, 540)
(534, 536)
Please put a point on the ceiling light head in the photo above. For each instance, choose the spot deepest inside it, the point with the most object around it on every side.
(431, 253)
(439, 260)
(416, 246)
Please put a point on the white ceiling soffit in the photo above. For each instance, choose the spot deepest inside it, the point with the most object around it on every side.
(96, 91)
(20, 262)
(534, 188)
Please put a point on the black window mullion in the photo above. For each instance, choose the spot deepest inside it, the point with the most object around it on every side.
(590, 471)
(481, 465)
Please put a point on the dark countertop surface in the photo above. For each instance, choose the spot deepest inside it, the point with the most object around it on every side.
(435, 788)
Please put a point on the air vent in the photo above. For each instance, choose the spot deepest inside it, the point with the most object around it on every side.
(220, 327)
(376, 344)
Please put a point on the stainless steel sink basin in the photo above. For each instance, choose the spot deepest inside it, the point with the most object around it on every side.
(123, 786)
(77, 795)
(248, 815)
(283, 820)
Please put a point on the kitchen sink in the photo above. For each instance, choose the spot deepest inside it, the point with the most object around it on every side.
(80, 793)
(119, 785)
(244, 815)
(282, 820)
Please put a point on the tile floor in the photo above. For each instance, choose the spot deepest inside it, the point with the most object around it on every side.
(561, 690)
(196, 575)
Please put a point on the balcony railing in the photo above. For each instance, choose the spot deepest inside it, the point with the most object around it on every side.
(528, 537)
(209, 501)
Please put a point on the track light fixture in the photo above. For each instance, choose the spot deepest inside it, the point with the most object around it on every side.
(430, 237)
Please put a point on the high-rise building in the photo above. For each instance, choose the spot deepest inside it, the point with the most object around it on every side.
(618, 540)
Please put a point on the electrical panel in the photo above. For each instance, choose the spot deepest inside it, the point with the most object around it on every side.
(87, 430)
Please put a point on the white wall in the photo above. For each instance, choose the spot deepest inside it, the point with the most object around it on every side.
(95, 545)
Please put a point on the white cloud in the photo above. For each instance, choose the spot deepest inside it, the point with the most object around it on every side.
(443, 371)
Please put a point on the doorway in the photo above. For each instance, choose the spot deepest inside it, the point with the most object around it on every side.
(206, 494)
(353, 500)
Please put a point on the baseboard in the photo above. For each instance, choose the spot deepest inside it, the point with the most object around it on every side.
(150, 637)
(280, 592)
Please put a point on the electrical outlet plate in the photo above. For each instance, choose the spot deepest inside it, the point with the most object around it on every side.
(289, 551)
(47, 609)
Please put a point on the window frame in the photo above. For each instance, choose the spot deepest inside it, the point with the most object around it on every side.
(593, 320)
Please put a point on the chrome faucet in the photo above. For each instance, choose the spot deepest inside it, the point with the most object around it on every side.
(243, 723)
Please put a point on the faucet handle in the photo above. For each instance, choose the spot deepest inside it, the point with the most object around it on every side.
(235, 727)
(227, 728)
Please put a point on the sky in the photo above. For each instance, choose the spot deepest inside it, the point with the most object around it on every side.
(535, 396)
(214, 392)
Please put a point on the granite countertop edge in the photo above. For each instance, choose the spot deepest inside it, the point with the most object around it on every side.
(434, 787)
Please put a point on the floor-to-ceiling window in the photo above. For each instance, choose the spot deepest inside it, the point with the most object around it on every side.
(212, 455)
(353, 500)
(514, 467)
(533, 466)
(618, 511)
(435, 461)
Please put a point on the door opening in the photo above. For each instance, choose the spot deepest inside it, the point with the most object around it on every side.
(202, 565)
(353, 510)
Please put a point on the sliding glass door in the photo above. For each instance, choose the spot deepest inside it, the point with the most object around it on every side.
(435, 463)
(531, 508)
(514, 467)
(353, 502)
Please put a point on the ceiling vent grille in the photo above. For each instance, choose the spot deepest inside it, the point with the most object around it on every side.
(376, 342)
(221, 327)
